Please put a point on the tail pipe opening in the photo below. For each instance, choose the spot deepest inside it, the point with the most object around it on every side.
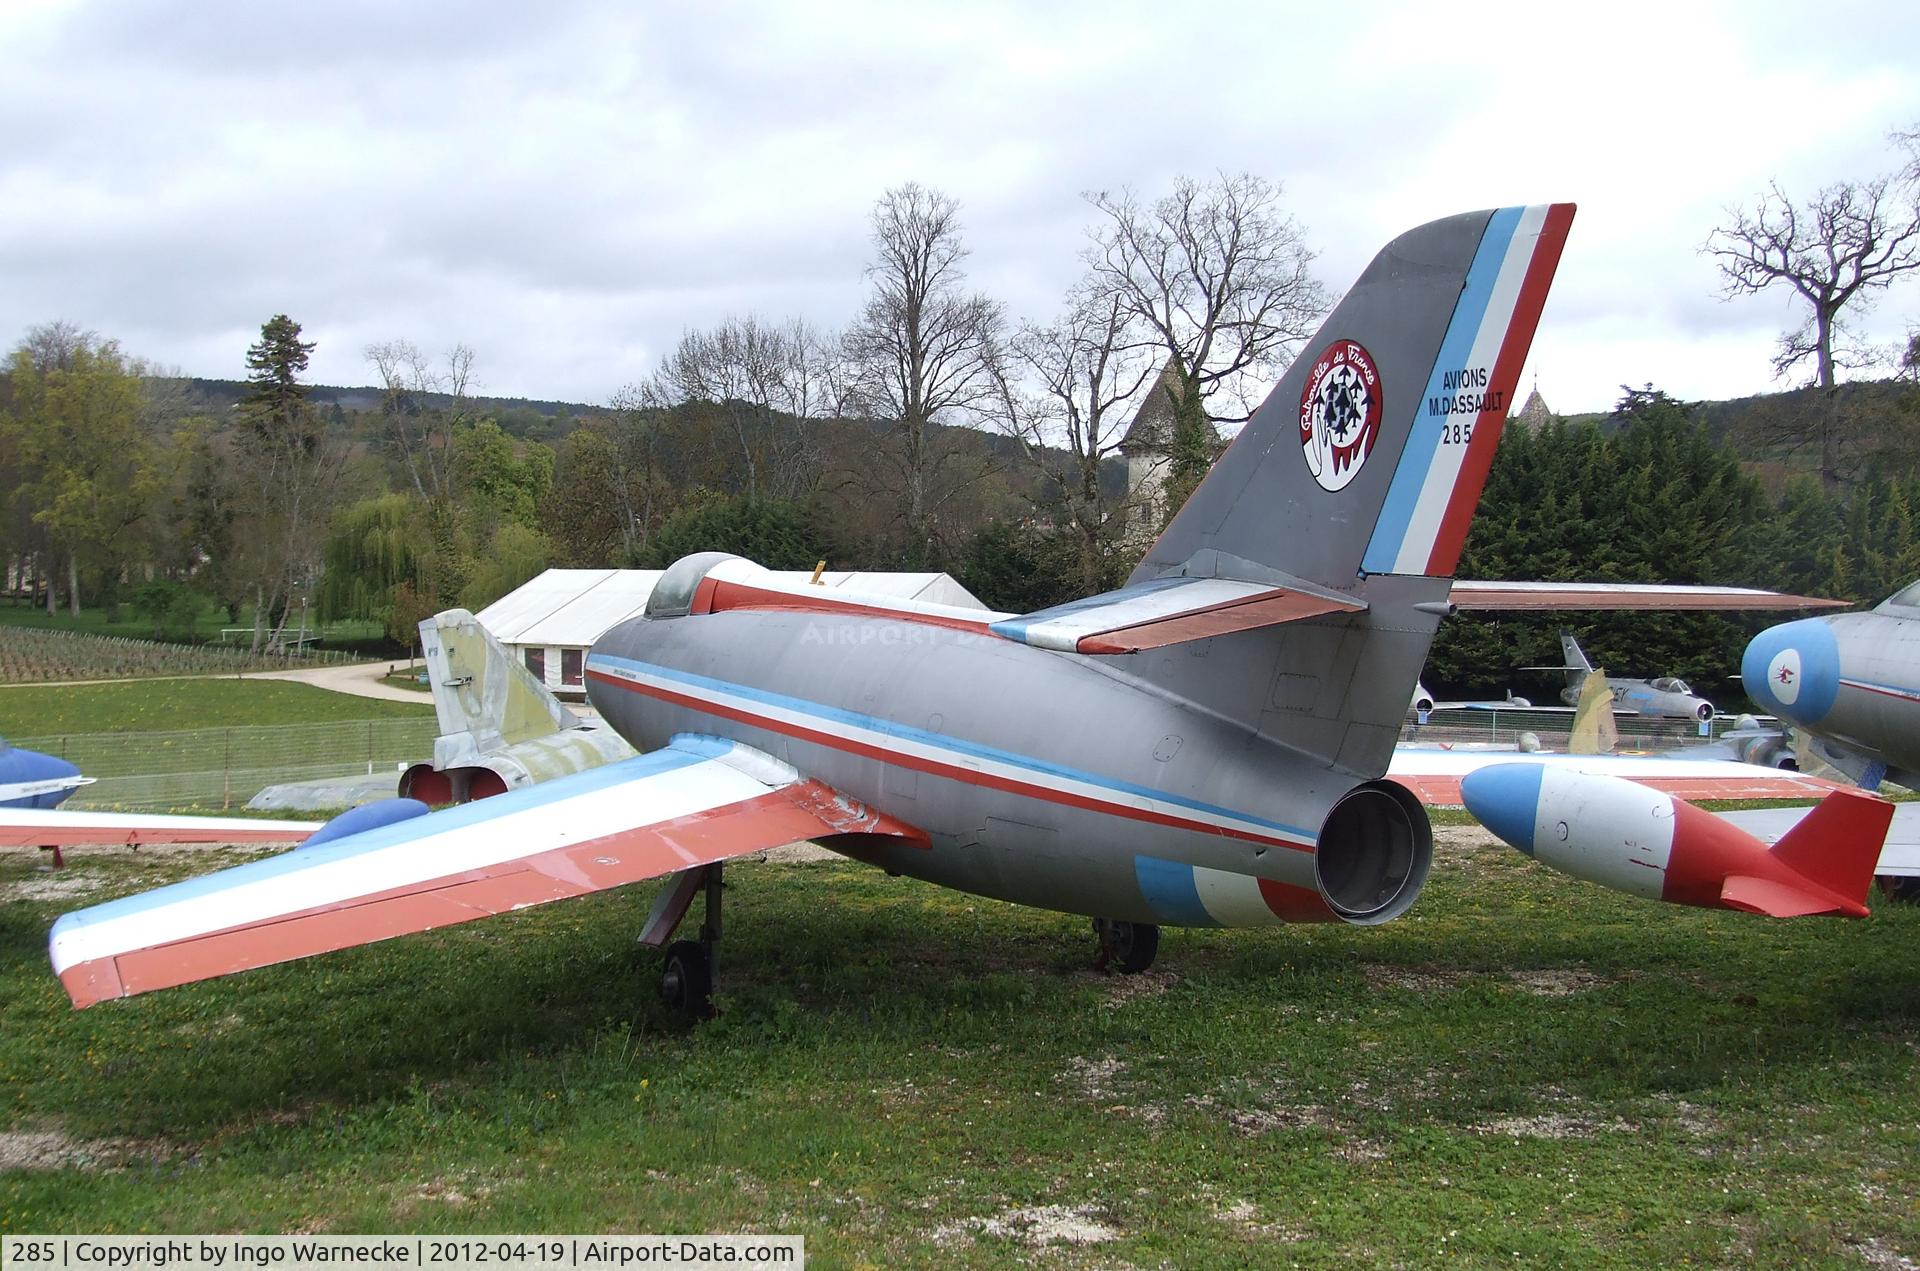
(1375, 848)
(455, 785)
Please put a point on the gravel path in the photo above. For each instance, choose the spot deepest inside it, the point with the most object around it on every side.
(362, 679)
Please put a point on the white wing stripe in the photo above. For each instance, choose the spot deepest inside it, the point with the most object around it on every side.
(519, 833)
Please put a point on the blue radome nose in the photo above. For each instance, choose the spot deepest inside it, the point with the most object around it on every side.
(1506, 799)
(1793, 670)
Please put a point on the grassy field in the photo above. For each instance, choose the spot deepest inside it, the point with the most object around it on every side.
(1526, 1071)
(149, 705)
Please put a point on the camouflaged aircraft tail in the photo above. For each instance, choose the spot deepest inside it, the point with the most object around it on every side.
(480, 691)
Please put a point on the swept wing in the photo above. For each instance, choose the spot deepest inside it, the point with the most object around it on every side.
(697, 801)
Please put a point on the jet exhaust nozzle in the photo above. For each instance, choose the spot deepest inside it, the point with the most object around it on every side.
(1374, 851)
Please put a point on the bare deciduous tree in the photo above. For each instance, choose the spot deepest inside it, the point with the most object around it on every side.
(1085, 373)
(763, 380)
(422, 404)
(53, 346)
(925, 352)
(1849, 241)
(632, 471)
(1219, 274)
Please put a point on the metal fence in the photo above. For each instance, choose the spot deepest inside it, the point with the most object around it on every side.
(1503, 727)
(224, 767)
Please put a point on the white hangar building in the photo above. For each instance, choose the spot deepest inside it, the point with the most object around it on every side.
(549, 622)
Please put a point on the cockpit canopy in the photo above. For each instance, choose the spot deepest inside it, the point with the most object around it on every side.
(1668, 684)
(1908, 597)
(672, 596)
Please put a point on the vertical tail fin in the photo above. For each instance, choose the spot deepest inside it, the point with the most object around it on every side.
(1838, 844)
(1594, 730)
(1369, 455)
(1577, 666)
(1352, 487)
(480, 692)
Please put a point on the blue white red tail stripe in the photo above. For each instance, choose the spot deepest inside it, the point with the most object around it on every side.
(1458, 417)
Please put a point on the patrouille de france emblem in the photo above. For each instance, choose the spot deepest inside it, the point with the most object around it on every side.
(1340, 413)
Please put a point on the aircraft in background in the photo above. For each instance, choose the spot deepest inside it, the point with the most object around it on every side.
(1664, 698)
(1423, 703)
(1851, 683)
(33, 785)
(500, 729)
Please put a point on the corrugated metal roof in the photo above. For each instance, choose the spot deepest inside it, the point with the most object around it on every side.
(571, 608)
(533, 600)
(594, 611)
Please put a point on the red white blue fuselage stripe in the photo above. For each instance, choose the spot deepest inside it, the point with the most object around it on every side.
(936, 754)
(1902, 692)
(1457, 418)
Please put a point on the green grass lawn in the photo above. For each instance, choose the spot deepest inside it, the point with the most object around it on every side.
(148, 705)
(1525, 1071)
(408, 679)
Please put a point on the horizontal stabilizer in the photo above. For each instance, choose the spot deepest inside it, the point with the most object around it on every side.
(1166, 611)
(1513, 596)
(1776, 900)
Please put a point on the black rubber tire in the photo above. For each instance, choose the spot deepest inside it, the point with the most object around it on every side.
(686, 980)
(1128, 947)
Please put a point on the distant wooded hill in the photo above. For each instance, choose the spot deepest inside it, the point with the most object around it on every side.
(531, 418)
(1878, 422)
(1880, 419)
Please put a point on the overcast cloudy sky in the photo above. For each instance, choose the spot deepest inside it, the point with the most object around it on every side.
(566, 187)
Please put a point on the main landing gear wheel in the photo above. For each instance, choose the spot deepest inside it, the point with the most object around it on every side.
(686, 982)
(1126, 947)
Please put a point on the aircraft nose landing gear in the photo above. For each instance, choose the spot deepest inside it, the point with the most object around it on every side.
(1126, 947)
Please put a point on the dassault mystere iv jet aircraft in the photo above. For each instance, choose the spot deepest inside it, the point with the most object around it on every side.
(1204, 746)
(1851, 681)
(1666, 697)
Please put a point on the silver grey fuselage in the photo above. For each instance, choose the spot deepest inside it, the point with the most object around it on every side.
(1039, 777)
